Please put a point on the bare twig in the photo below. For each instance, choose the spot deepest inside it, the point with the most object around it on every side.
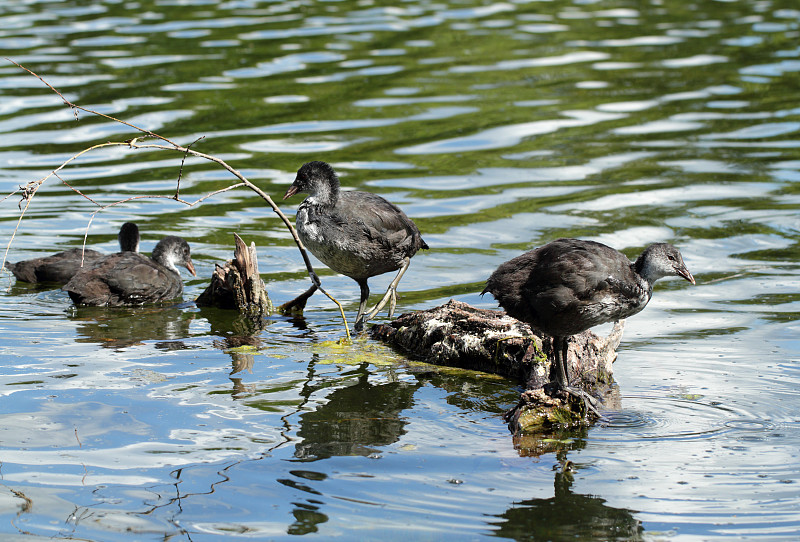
(65, 183)
(76, 108)
(28, 506)
(180, 171)
(30, 189)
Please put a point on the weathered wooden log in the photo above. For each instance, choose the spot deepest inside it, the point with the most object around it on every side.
(237, 284)
(459, 335)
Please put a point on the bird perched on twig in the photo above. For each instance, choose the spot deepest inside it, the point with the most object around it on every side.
(357, 234)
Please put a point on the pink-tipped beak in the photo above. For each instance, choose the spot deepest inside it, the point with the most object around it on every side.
(291, 192)
(685, 274)
(190, 267)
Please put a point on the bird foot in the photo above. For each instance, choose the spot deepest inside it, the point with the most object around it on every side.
(359, 325)
(392, 303)
(389, 296)
(592, 404)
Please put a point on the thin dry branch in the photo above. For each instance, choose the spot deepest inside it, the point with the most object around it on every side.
(30, 189)
(76, 108)
(65, 183)
(180, 171)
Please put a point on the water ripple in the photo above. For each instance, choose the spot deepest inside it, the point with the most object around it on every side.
(288, 63)
(673, 418)
(514, 123)
(508, 136)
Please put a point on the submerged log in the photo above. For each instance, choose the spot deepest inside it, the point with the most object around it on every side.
(237, 284)
(459, 335)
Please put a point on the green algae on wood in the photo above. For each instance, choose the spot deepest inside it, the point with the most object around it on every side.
(459, 335)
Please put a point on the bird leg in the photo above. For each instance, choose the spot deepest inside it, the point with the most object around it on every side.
(560, 348)
(359, 325)
(391, 293)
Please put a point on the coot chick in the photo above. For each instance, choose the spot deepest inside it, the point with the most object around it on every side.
(130, 278)
(568, 286)
(60, 267)
(129, 237)
(357, 234)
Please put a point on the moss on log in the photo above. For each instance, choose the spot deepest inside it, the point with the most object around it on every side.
(459, 335)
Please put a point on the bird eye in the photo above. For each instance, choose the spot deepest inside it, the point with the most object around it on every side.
(671, 258)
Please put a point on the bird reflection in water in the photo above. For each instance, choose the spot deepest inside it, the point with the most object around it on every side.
(123, 327)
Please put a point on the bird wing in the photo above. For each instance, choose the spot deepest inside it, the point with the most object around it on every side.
(584, 267)
(383, 221)
(601, 284)
(58, 267)
(142, 282)
(123, 278)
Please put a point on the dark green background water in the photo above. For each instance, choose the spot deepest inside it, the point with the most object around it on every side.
(497, 127)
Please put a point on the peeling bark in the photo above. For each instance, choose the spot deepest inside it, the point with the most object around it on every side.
(459, 335)
(237, 284)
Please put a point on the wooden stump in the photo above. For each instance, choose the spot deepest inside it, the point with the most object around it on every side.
(459, 335)
(237, 284)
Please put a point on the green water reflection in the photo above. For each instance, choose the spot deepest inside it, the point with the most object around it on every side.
(496, 127)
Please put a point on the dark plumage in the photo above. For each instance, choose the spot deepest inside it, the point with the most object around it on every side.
(568, 286)
(129, 237)
(130, 278)
(60, 267)
(357, 234)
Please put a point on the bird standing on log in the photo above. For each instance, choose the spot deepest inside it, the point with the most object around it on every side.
(568, 286)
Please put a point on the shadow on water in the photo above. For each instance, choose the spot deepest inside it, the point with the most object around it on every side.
(357, 419)
(124, 327)
(566, 516)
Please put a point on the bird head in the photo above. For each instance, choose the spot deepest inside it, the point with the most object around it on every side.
(662, 260)
(172, 250)
(318, 179)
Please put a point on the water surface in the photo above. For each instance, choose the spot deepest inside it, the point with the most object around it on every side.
(497, 127)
